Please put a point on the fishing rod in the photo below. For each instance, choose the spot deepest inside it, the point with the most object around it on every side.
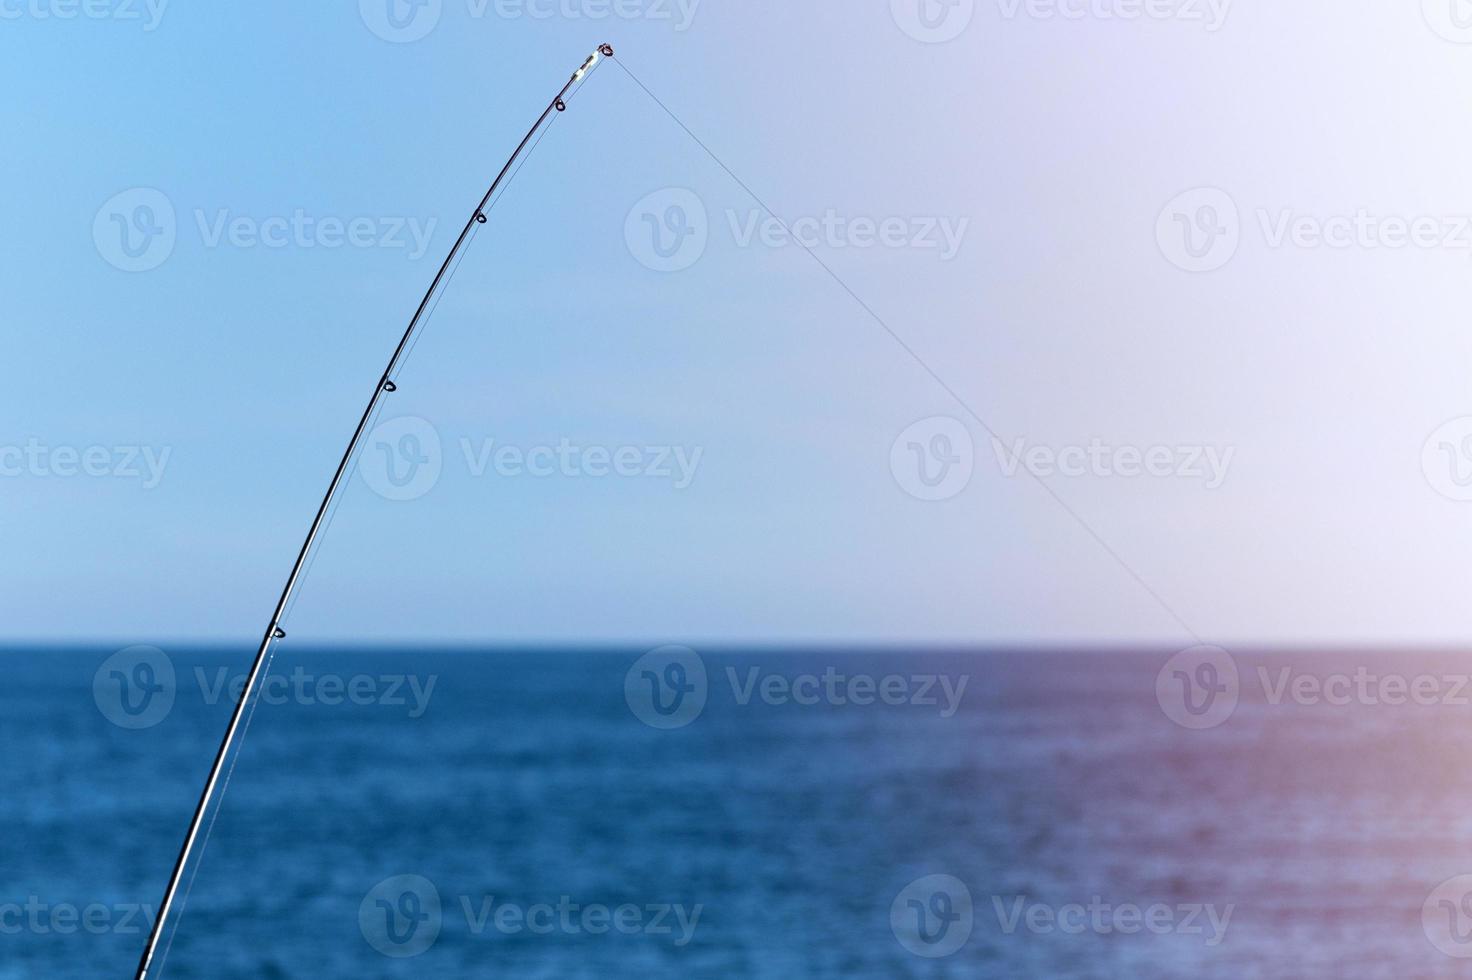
(385, 385)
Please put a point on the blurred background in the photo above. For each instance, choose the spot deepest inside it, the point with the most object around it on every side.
(1059, 405)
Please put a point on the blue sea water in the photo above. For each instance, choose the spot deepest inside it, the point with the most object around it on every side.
(370, 838)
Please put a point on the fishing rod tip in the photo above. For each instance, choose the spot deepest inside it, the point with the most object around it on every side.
(604, 51)
(592, 60)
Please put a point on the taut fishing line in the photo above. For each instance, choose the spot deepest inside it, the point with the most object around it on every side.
(922, 363)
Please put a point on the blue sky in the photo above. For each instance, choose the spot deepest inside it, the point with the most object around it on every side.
(728, 443)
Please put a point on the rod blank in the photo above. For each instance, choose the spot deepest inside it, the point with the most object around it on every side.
(274, 632)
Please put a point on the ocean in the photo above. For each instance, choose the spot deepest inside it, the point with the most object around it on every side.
(414, 812)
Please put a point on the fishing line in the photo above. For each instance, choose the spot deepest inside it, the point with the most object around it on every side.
(914, 355)
(214, 817)
(429, 316)
(240, 742)
(244, 736)
(426, 321)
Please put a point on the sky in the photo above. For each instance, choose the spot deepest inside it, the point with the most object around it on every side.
(1080, 323)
